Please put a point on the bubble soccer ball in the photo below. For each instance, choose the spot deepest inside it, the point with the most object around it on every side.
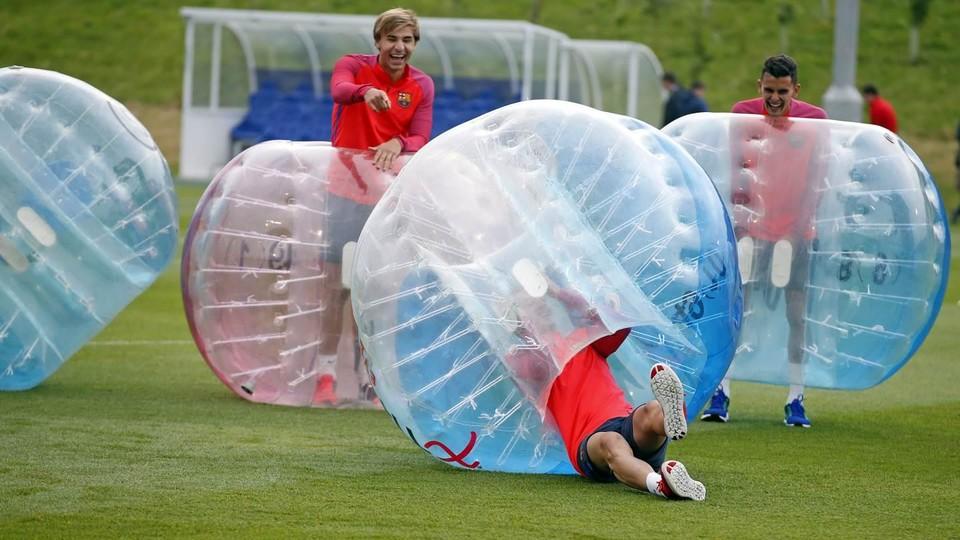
(264, 267)
(88, 218)
(515, 240)
(843, 244)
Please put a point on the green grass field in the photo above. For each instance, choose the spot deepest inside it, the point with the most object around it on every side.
(135, 437)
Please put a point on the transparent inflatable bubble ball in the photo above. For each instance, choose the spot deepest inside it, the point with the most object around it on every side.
(88, 218)
(515, 240)
(843, 244)
(266, 273)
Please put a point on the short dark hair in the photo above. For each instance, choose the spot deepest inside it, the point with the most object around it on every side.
(870, 90)
(697, 84)
(668, 76)
(780, 65)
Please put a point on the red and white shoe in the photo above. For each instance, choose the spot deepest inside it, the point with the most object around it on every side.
(668, 391)
(324, 393)
(676, 483)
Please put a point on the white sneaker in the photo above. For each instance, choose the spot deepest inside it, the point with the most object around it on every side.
(668, 391)
(677, 484)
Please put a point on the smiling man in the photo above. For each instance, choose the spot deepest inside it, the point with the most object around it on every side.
(381, 102)
(384, 105)
(773, 215)
(779, 89)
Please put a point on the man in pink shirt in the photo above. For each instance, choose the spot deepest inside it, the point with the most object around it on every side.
(776, 161)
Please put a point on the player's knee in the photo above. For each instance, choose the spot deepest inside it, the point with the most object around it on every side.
(647, 418)
(608, 444)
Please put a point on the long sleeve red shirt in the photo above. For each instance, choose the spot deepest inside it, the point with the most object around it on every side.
(882, 114)
(355, 125)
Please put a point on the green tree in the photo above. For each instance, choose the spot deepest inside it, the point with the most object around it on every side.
(535, 8)
(918, 14)
(785, 17)
(701, 54)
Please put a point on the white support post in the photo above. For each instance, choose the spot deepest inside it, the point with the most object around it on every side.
(215, 67)
(842, 100)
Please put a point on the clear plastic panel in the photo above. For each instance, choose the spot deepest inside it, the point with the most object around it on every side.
(202, 64)
(234, 73)
(612, 61)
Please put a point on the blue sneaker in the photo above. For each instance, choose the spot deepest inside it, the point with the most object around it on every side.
(719, 409)
(794, 414)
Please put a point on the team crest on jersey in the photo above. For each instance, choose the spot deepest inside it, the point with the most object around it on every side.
(404, 99)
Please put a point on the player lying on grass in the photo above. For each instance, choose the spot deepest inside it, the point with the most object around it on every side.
(607, 439)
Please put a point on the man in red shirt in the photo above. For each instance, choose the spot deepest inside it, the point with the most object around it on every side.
(384, 105)
(608, 440)
(881, 111)
(777, 161)
(381, 102)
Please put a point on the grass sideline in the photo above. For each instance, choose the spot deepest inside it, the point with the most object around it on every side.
(135, 437)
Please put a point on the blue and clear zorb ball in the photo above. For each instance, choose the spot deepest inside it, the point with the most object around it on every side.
(844, 247)
(88, 218)
(513, 241)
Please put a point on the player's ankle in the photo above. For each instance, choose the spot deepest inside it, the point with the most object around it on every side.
(656, 485)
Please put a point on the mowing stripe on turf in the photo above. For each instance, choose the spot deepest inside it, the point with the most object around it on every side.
(150, 343)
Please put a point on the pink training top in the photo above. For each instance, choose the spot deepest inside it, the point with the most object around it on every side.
(777, 165)
(798, 109)
(355, 125)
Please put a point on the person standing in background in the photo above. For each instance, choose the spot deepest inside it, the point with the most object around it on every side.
(680, 101)
(881, 111)
(699, 100)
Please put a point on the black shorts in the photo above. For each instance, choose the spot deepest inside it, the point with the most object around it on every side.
(345, 220)
(624, 426)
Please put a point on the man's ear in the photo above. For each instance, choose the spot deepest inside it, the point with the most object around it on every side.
(759, 87)
(796, 90)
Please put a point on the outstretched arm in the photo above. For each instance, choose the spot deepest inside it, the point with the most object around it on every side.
(343, 87)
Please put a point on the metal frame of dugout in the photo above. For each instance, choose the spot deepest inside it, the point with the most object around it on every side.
(230, 54)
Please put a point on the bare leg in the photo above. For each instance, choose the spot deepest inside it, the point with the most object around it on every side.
(329, 328)
(348, 383)
(648, 429)
(609, 451)
(796, 305)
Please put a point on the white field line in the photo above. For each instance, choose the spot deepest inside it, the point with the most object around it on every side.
(140, 343)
